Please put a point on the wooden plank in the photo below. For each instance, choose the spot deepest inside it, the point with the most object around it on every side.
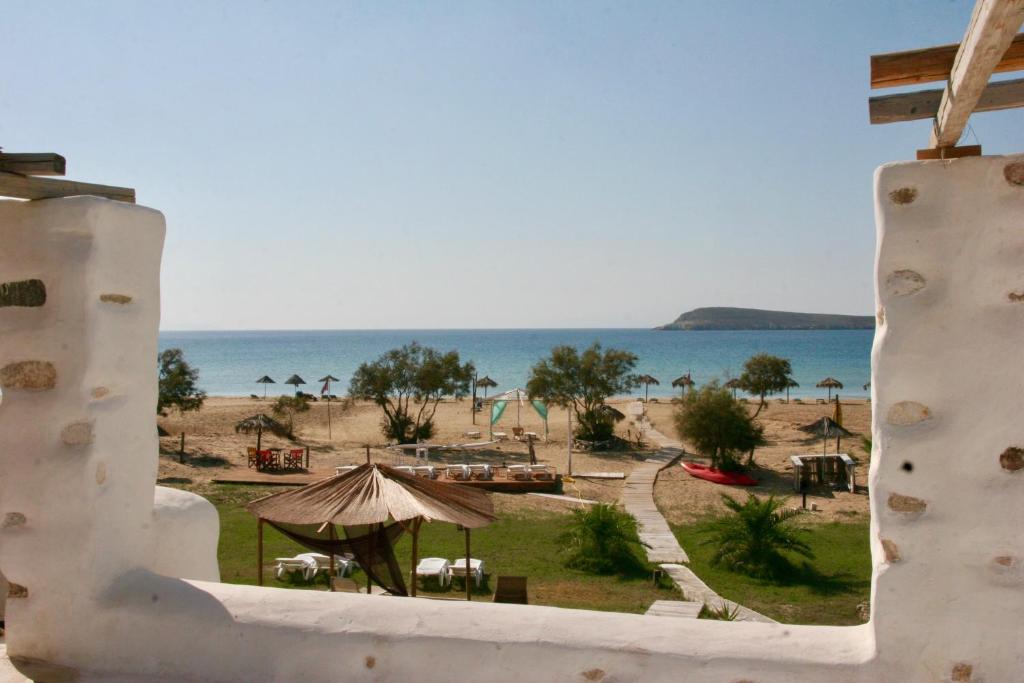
(674, 608)
(46, 163)
(948, 152)
(924, 104)
(600, 475)
(933, 64)
(993, 27)
(29, 187)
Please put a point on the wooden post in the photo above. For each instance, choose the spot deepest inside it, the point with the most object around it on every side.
(307, 457)
(367, 454)
(472, 408)
(415, 553)
(469, 590)
(259, 552)
(330, 534)
(181, 449)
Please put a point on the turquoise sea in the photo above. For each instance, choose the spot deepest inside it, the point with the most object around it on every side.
(229, 362)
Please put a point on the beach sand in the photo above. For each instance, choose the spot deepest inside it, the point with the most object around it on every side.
(213, 450)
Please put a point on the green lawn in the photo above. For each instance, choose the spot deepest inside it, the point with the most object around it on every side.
(825, 590)
(524, 545)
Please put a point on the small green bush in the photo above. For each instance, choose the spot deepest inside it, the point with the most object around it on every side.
(751, 538)
(602, 539)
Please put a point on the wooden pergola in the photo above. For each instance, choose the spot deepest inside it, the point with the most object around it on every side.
(991, 44)
(22, 177)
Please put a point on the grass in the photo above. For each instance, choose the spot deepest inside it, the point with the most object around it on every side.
(825, 590)
(524, 545)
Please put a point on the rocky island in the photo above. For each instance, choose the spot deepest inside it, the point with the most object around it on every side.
(724, 318)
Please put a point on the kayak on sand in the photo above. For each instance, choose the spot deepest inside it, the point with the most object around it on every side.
(717, 476)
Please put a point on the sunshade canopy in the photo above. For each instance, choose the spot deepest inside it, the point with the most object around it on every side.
(372, 494)
(684, 381)
(260, 422)
(613, 413)
(265, 379)
(510, 395)
(829, 383)
(328, 378)
(295, 379)
(486, 381)
(826, 426)
(648, 379)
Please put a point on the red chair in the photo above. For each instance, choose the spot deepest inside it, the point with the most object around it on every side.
(293, 458)
(266, 460)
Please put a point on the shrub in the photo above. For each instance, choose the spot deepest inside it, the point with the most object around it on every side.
(765, 374)
(603, 540)
(177, 383)
(751, 538)
(717, 425)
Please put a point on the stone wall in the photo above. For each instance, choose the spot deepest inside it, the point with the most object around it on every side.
(98, 595)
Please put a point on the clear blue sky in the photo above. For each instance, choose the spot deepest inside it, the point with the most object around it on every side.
(481, 164)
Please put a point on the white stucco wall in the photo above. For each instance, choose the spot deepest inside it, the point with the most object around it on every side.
(946, 600)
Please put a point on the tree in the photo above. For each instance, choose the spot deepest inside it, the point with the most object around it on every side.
(177, 384)
(751, 537)
(584, 381)
(290, 405)
(764, 375)
(402, 379)
(602, 539)
(717, 425)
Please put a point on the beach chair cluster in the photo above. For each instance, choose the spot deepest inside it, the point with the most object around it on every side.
(311, 564)
(530, 472)
(270, 459)
(425, 471)
(478, 471)
(444, 571)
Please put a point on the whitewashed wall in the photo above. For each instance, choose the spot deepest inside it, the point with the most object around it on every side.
(78, 463)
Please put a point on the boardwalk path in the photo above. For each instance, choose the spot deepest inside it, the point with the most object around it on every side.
(661, 544)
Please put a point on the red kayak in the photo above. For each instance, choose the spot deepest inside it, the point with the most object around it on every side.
(717, 476)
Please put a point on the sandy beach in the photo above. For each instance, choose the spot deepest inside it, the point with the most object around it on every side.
(213, 449)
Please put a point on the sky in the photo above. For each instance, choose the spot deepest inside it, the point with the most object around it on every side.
(362, 165)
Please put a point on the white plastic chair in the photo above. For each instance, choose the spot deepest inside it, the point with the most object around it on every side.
(437, 567)
(476, 569)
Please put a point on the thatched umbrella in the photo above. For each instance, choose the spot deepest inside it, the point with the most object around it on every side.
(733, 384)
(326, 391)
(685, 382)
(647, 381)
(867, 386)
(829, 383)
(296, 381)
(257, 423)
(790, 384)
(487, 383)
(370, 496)
(826, 427)
(265, 380)
(611, 412)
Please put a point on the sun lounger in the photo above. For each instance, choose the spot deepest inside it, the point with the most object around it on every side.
(437, 567)
(476, 569)
(472, 433)
(406, 469)
(520, 472)
(344, 469)
(543, 472)
(459, 472)
(500, 436)
(511, 589)
(481, 471)
(531, 435)
(517, 433)
(310, 564)
(428, 471)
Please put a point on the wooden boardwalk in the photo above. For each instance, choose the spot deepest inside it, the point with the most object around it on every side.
(674, 608)
(638, 498)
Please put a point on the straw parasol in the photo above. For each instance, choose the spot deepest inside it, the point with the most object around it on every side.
(487, 383)
(611, 412)
(326, 391)
(257, 423)
(647, 381)
(829, 383)
(265, 380)
(733, 384)
(826, 427)
(685, 382)
(296, 381)
(790, 384)
(374, 494)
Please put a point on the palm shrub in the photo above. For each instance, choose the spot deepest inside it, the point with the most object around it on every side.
(751, 538)
(602, 539)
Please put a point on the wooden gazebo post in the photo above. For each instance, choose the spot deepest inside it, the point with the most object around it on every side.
(415, 554)
(259, 551)
(469, 590)
(330, 534)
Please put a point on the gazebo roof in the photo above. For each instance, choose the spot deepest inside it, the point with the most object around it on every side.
(372, 494)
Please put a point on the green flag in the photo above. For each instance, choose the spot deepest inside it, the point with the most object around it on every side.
(541, 409)
(497, 408)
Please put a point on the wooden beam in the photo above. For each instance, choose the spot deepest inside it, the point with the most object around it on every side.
(993, 27)
(28, 187)
(949, 152)
(933, 64)
(46, 163)
(924, 104)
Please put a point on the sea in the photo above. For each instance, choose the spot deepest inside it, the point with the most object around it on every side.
(229, 362)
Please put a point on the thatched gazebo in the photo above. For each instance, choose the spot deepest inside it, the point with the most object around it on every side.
(258, 423)
(296, 381)
(647, 381)
(829, 383)
(265, 380)
(733, 384)
(685, 382)
(363, 502)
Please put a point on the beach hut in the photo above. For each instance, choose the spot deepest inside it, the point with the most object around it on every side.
(647, 381)
(296, 381)
(265, 380)
(258, 423)
(829, 383)
(685, 382)
(733, 384)
(325, 392)
(374, 505)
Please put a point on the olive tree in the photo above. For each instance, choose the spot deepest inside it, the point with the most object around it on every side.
(408, 384)
(718, 426)
(583, 381)
(177, 383)
(764, 375)
(290, 406)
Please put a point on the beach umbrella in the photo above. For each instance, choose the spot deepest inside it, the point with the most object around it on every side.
(257, 423)
(326, 391)
(685, 382)
(826, 428)
(486, 382)
(867, 386)
(295, 380)
(733, 384)
(265, 380)
(791, 384)
(611, 412)
(829, 383)
(517, 395)
(647, 381)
